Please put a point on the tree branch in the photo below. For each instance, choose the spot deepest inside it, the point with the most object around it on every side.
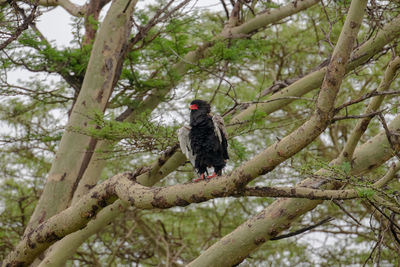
(367, 115)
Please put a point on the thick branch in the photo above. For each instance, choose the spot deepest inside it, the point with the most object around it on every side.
(56, 227)
(71, 8)
(267, 18)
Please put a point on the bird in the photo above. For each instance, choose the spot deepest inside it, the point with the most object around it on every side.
(204, 141)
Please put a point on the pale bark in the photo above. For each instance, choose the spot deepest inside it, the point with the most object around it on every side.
(152, 102)
(359, 56)
(75, 149)
(266, 18)
(322, 194)
(92, 173)
(279, 215)
(179, 70)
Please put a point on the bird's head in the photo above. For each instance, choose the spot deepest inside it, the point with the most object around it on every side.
(200, 105)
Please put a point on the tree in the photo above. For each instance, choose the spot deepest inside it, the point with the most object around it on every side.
(90, 163)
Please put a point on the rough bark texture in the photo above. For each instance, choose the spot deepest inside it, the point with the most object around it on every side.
(234, 247)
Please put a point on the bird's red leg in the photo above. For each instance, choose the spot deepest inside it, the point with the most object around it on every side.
(212, 175)
(200, 178)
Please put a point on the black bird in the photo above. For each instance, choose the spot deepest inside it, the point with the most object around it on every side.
(205, 141)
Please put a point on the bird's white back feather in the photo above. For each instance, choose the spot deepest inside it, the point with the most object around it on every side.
(219, 126)
(184, 143)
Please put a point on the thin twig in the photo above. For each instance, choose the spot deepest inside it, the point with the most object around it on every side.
(394, 233)
(345, 211)
(372, 114)
(364, 97)
(384, 214)
(389, 135)
(328, 219)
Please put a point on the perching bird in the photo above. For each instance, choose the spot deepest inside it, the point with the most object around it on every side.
(205, 142)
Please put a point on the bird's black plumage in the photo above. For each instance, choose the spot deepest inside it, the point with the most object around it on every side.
(207, 138)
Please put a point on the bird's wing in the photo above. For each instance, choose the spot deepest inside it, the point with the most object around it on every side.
(219, 127)
(220, 132)
(184, 142)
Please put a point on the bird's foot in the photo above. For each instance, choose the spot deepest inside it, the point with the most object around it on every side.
(212, 176)
(200, 178)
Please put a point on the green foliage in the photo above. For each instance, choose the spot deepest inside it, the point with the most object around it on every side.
(144, 134)
(93, 22)
(238, 148)
(345, 167)
(18, 199)
(365, 192)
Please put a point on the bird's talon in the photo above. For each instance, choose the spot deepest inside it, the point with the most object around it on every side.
(199, 179)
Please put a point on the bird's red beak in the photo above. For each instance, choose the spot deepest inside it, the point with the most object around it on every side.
(194, 106)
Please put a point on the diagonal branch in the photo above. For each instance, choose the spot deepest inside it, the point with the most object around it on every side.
(393, 139)
(180, 68)
(71, 8)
